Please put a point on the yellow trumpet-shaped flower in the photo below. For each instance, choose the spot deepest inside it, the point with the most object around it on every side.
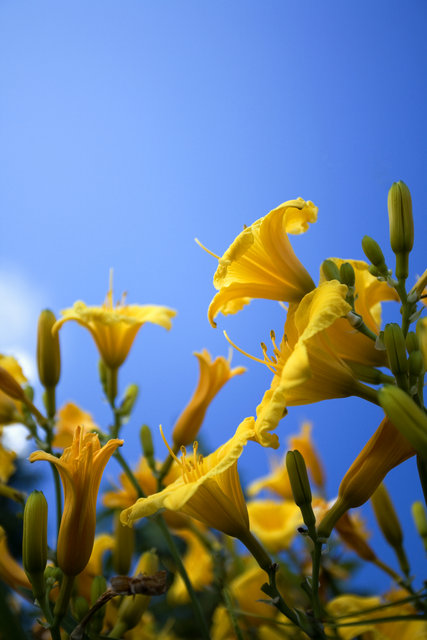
(213, 376)
(114, 327)
(11, 409)
(80, 467)
(261, 263)
(274, 523)
(199, 564)
(7, 457)
(69, 417)
(369, 293)
(11, 572)
(208, 490)
(305, 366)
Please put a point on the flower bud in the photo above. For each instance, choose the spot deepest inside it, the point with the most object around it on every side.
(131, 396)
(401, 225)
(300, 484)
(147, 446)
(48, 354)
(412, 342)
(406, 416)
(420, 519)
(372, 251)
(98, 587)
(347, 275)
(133, 607)
(415, 364)
(394, 341)
(34, 541)
(124, 542)
(389, 523)
(103, 375)
(330, 270)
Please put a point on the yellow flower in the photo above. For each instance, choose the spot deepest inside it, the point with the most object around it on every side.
(386, 449)
(80, 467)
(69, 417)
(347, 604)
(7, 468)
(125, 497)
(261, 263)
(208, 490)
(369, 293)
(198, 562)
(274, 523)
(114, 327)
(102, 543)
(306, 369)
(10, 571)
(11, 409)
(212, 377)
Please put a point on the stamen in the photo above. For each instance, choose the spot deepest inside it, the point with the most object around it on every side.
(283, 305)
(202, 246)
(167, 446)
(266, 361)
(195, 447)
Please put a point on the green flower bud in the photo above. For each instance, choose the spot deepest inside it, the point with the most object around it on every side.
(34, 542)
(401, 225)
(80, 607)
(412, 342)
(347, 275)
(48, 354)
(131, 395)
(394, 341)
(420, 519)
(103, 375)
(389, 523)
(124, 542)
(406, 416)
(98, 587)
(372, 251)
(300, 485)
(147, 445)
(330, 270)
(415, 364)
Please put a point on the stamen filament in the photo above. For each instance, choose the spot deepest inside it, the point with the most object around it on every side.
(202, 246)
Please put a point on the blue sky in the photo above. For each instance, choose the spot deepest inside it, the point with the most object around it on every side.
(127, 129)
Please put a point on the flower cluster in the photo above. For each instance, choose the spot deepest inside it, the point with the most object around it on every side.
(270, 561)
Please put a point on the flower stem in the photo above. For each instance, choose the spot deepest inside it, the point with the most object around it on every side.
(61, 604)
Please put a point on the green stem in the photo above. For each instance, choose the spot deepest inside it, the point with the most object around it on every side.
(61, 604)
(315, 555)
(112, 375)
(50, 402)
(180, 566)
(367, 393)
(128, 471)
(233, 618)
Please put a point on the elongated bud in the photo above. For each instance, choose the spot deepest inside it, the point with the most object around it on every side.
(80, 607)
(420, 519)
(300, 485)
(412, 342)
(124, 543)
(394, 341)
(98, 587)
(330, 270)
(132, 607)
(131, 396)
(147, 445)
(401, 225)
(406, 416)
(11, 387)
(372, 251)
(389, 524)
(415, 364)
(48, 354)
(347, 275)
(34, 542)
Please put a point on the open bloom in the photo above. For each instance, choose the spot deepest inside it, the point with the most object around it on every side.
(199, 564)
(261, 263)
(208, 490)
(306, 368)
(69, 417)
(213, 376)
(114, 327)
(80, 467)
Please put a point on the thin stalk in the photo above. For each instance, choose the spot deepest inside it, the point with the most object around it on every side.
(315, 555)
(58, 496)
(61, 604)
(229, 606)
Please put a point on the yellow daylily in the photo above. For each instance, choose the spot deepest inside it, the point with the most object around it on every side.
(386, 449)
(114, 327)
(102, 543)
(208, 490)
(212, 377)
(274, 523)
(261, 263)
(349, 343)
(198, 563)
(11, 409)
(11, 572)
(306, 369)
(80, 467)
(69, 417)
(7, 468)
